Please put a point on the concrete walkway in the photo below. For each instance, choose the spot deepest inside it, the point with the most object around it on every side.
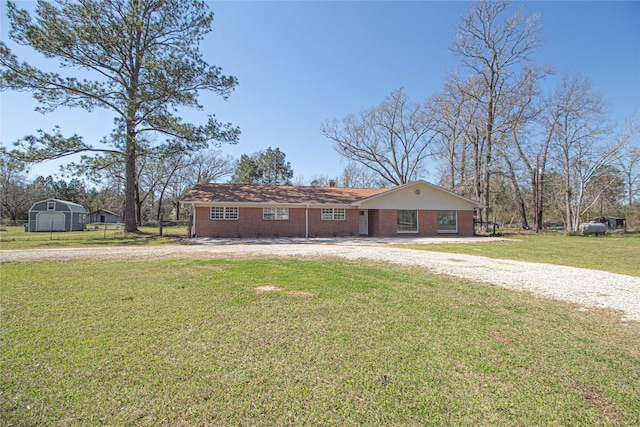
(348, 241)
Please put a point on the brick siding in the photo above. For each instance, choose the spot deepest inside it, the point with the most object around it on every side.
(251, 224)
(465, 223)
(336, 228)
(382, 223)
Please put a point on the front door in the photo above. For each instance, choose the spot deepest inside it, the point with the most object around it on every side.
(364, 223)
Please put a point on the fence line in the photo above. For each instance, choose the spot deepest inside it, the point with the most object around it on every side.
(94, 231)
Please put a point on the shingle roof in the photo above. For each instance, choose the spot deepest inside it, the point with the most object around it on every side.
(73, 207)
(107, 211)
(237, 193)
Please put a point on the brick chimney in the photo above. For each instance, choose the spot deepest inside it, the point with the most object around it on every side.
(332, 183)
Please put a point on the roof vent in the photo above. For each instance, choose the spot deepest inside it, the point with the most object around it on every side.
(332, 183)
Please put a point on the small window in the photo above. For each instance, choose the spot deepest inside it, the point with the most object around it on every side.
(447, 221)
(281, 214)
(51, 206)
(333, 214)
(407, 221)
(221, 213)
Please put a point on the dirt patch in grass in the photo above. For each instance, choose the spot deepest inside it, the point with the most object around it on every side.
(273, 288)
(268, 288)
(501, 338)
(300, 294)
(591, 394)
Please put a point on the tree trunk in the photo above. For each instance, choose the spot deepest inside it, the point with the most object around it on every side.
(164, 189)
(177, 205)
(569, 211)
(130, 224)
(537, 201)
(138, 206)
(487, 165)
(523, 210)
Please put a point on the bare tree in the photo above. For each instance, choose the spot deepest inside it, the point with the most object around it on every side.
(580, 144)
(355, 175)
(208, 166)
(629, 161)
(177, 172)
(604, 191)
(319, 180)
(392, 139)
(451, 113)
(13, 184)
(537, 147)
(523, 150)
(460, 136)
(492, 46)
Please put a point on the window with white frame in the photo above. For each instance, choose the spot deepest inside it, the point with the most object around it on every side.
(407, 221)
(447, 221)
(333, 214)
(51, 206)
(280, 214)
(220, 212)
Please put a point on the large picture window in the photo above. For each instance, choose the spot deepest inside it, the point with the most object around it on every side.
(447, 221)
(333, 214)
(219, 212)
(275, 214)
(407, 221)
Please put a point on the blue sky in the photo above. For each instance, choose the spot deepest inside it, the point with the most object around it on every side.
(300, 63)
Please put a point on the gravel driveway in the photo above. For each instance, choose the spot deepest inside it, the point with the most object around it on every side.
(589, 288)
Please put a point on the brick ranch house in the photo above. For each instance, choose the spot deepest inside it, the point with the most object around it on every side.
(416, 209)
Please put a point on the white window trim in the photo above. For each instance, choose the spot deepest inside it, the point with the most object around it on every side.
(279, 214)
(51, 206)
(417, 230)
(325, 215)
(229, 213)
(447, 231)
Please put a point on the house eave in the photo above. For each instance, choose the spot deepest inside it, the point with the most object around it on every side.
(392, 190)
(269, 204)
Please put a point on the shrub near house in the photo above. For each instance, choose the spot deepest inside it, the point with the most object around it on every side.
(414, 209)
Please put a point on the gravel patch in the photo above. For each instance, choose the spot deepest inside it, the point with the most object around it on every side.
(588, 288)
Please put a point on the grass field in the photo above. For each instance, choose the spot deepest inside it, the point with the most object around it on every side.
(616, 253)
(16, 238)
(193, 342)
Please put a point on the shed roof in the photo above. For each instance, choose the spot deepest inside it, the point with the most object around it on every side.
(107, 212)
(73, 207)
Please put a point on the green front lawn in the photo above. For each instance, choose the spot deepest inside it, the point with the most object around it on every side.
(16, 238)
(193, 342)
(615, 253)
